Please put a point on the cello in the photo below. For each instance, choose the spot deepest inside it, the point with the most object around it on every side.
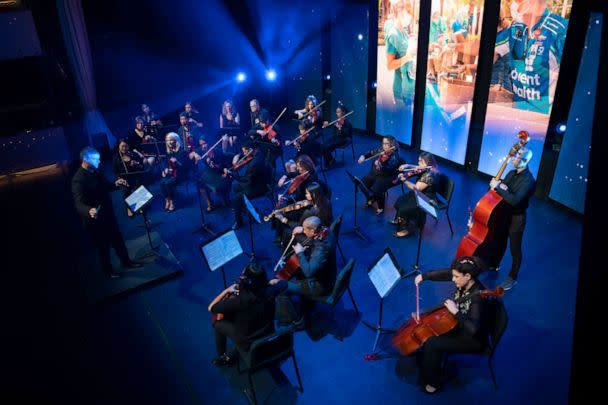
(291, 265)
(433, 322)
(490, 214)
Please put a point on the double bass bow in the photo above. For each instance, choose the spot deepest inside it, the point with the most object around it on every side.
(490, 214)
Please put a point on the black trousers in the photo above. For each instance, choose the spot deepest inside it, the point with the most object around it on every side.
(332, 144)
(225, 329)
(513, 233)
(433, 349)
(167, 186)
(236, 201)
(291, 303)
(408, 210)
(378, 185)
(107, 234)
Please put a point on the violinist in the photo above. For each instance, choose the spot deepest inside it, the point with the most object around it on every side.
(342, 135)
(137, 137)
(409, 216)
(310, 115)
(253, 183)
(316, 274)
(268, 140)
(471, 333)
(248, 313)
(258, 115)
(383, 170)
(129, 166)
(305, 143)
(175, 169)
(230, 120)
(188, 134)
(151, 121)
(306, 174)
(211, 168)
(190, 112)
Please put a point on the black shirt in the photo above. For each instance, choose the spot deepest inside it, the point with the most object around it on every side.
(520, 189)
(258, 117)
(318, 262)
(90, 189)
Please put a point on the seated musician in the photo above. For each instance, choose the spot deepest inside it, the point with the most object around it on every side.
(175, 169)
(342, 135)
(305, 143)
(316, 273)
(211, 169)
(383, 171)
(247, 310)
(258, 115)
(253, 183)
(137, 137)
(310, 115)
(408, 216)
(188, 135)
(306, 174)
(229, 119)
(268, 140)
(191, 113)
(318, 205)
(471, 334)
(129, 166)
(151, 121)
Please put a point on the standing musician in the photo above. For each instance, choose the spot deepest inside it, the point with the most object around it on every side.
(129, 166)
(229, 119)
(471, 334)
(247, 311)
(258, 115)
(253, 183)
(342, 135)
(211, 169)
(516, 190)
(137, 137)
(190, 113)
(188, 134)
(151, 121)
(316, 274)
(175, 169)
(90, 190)
(383, 171)
(407, 211)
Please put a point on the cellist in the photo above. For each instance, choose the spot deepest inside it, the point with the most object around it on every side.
(471, 333)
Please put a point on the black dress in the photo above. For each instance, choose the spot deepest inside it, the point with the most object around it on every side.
(406, 207)
(178, 172)
(380, 177)
(340, 137)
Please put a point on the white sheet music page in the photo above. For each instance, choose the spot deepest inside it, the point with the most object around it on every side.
(221, 250)
(384, 275)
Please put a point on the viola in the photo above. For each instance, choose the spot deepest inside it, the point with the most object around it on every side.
(291, 266)
(490, 215)
(433, 322)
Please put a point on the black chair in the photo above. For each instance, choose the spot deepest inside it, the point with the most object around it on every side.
(265, 352)
(499, 320)
(342, 148)
(342, 285)
(444, 191)
(335, 229)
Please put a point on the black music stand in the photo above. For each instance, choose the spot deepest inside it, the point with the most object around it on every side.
(137, 201)
(358, 186)
(204, 227)
(253, 215)
(384, 273)
(424, 203)
(220, 250)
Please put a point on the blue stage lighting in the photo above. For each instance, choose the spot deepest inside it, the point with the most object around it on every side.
(360, 37)
(374, 85)
(561, 128)
(241, 77)
(271, 75)
(327, 77)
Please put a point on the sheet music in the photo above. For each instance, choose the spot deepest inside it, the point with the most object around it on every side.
(425, 205)
(252, 210)
(138, 198)
(384, 275)
(221, 250)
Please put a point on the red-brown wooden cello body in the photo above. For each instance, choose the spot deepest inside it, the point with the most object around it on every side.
(490, 215)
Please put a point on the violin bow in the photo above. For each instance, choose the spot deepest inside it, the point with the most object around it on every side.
(288, 143)
(211, 148)
(314, 108)
(275, 121)
(336, 120)
(379, 153)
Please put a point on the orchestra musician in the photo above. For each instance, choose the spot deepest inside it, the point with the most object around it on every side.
(190, 113)
(247, 310)
(188, 134)
(383, 171)
(175, 169)
(90, 190)
(129, 166)
(310, 115)
(258, 115)
(409, 216)
(342, 135)
(268, 140)
(305, 143)
(316, 273)
(151, 121)
(211, 169)
(229, 119)
(137, 137)
(471, 334)
(253, 183)
(307, 173)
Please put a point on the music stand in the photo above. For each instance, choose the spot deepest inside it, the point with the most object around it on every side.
(220, 250)
(253, 215)
(384, 273)
(358, 186)
(137, 201)
(204, 227)
(424, 203)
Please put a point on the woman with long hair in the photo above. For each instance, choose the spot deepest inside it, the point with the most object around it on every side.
(230, 120)
(175, 169)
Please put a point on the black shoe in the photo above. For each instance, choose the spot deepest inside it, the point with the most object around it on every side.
(223, 360)
(508, 283)
(300, 324)
(132, 265)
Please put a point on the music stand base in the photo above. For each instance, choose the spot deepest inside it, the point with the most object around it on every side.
(379, 331)
(356, 231)
(204, 227)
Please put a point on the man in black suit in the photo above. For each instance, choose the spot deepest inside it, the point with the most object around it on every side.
(92, 199)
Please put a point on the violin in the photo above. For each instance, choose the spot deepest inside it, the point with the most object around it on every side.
(381, 152)
(433, 322)
(291, 266)
(297, 142)
(415, 171)
(270, 134)
(338, 121)
(248, 157)
(298, 205)
(293, 186)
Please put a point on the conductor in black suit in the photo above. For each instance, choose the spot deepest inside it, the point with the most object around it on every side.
(91, 193)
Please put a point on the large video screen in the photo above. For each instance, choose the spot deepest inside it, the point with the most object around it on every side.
(529, 46)
(451, 73)
(397, 50)
(570, 180)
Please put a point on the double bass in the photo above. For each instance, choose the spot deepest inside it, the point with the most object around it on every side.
(490, 214)
(433, 322)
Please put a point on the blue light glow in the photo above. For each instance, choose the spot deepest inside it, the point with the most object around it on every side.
(327, 77)
(271, 75)
(241, 77)
(360, 37)
(561, 128)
